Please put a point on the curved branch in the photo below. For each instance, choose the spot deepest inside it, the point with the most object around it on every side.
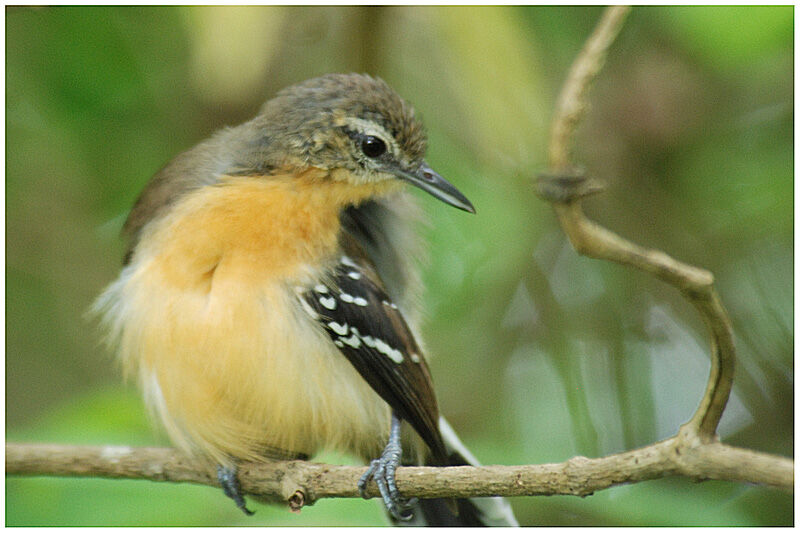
(300, 483)
(565, 187)
(696, 284)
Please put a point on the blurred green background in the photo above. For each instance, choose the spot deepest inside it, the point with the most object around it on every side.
(537, 354)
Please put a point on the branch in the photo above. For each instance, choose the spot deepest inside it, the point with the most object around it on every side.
(565, 187)
(572, 101)
(300, 483)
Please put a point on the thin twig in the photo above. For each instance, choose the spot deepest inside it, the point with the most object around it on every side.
(572, 104)
(695, 284)
(564, 187)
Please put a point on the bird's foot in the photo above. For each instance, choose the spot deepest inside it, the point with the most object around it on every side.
(382, 471)
(230, 485)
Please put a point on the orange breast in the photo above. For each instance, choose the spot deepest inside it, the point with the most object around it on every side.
(267, 227)
(207, 316)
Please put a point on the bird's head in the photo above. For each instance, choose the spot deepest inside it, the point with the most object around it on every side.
(352, 125)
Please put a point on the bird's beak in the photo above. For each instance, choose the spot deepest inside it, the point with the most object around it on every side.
(431, 182)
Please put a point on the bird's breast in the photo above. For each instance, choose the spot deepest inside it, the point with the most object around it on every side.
(207, 315)
(261, 228)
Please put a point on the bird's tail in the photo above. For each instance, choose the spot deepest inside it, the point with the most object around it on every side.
(472, 512)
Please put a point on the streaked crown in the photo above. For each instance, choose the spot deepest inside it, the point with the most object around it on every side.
(349, 121)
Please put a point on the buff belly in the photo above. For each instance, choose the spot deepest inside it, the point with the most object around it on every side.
(237, 371)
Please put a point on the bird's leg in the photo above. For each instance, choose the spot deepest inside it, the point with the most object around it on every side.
(382, 471)
(230, 485)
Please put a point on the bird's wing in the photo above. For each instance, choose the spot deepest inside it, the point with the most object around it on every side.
(369, 329)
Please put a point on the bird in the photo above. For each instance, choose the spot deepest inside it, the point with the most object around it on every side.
(269, 299)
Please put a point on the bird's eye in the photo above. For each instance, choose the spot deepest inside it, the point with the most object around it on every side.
(373, 146)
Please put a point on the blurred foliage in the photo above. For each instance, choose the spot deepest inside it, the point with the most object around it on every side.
(539, 354)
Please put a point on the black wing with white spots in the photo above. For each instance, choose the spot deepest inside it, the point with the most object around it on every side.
(370, 331)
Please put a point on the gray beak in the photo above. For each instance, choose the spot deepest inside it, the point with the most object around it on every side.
(438, 187)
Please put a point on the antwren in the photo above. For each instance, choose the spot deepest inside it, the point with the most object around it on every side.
(269, 289)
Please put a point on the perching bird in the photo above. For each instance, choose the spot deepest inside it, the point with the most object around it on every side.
(269, 290)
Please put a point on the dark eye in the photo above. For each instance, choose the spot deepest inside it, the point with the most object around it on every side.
(372, 146)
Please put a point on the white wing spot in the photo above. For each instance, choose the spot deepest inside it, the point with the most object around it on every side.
(346, 297)
(358, 300)
(339, 329)
(390, 304)
(353, 341)
(346, 261)
(368, 340)
(339, 343)
(415, 357)
(396, 356)
(328, 302)
(320, 288)
(354, 275)
(388, 351)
